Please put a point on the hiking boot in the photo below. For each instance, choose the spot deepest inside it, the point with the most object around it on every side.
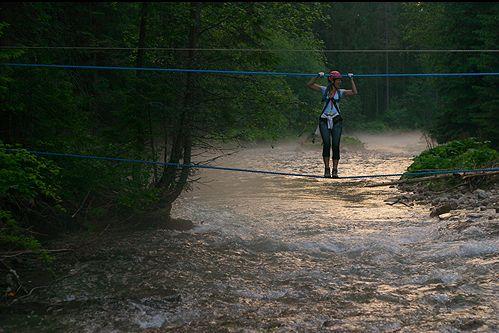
(335, 174)
(327, 173)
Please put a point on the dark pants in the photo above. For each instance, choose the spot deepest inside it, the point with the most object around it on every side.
(328, 134)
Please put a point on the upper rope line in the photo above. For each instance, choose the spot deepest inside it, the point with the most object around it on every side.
(234, 72)
(201, 166)
(247, 49)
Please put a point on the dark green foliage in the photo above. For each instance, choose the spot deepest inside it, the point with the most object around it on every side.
(12, 236)
(460, 154)
(28, 198)
(448, 108)
(468, 106)
(372, 26)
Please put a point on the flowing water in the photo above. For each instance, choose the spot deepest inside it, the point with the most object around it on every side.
(288, 254)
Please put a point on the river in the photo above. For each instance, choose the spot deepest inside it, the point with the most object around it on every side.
(291, 254)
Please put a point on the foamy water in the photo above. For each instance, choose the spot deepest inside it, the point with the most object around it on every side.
(320, 254)
(286, 254)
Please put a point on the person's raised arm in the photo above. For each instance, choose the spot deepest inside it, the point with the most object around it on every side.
(312, 85)
(353, 91)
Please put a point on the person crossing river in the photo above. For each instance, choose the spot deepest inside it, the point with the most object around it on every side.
(330, 120)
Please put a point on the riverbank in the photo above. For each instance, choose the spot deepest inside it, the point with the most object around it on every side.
(468, 210)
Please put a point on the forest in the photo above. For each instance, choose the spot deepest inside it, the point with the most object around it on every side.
(167, 116)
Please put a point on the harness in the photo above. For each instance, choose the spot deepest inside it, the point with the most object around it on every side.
(331, 100)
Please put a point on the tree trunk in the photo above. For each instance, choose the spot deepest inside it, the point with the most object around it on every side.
(141, 139)
(142, 35)
(182, 143)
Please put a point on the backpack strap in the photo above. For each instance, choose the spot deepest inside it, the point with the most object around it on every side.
(325, 99)
(332, 100)
(335, 105)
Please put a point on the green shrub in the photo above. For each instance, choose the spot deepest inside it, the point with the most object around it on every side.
(458, 154)
(27, 190)
(11, 235)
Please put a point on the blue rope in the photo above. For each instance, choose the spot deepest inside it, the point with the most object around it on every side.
(230, 72)
(200, 166)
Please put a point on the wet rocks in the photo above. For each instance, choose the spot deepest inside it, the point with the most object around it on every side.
(391, 201)
(401, 199)
(439, 298)
(461, 208)
(179, 224)
(442, 209)
(469, 323)
(444, 216)
(481, 194)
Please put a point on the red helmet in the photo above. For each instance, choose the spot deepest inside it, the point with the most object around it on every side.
(334, 75)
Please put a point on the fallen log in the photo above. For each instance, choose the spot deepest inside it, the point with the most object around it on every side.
(491, 173)
(430, 178)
